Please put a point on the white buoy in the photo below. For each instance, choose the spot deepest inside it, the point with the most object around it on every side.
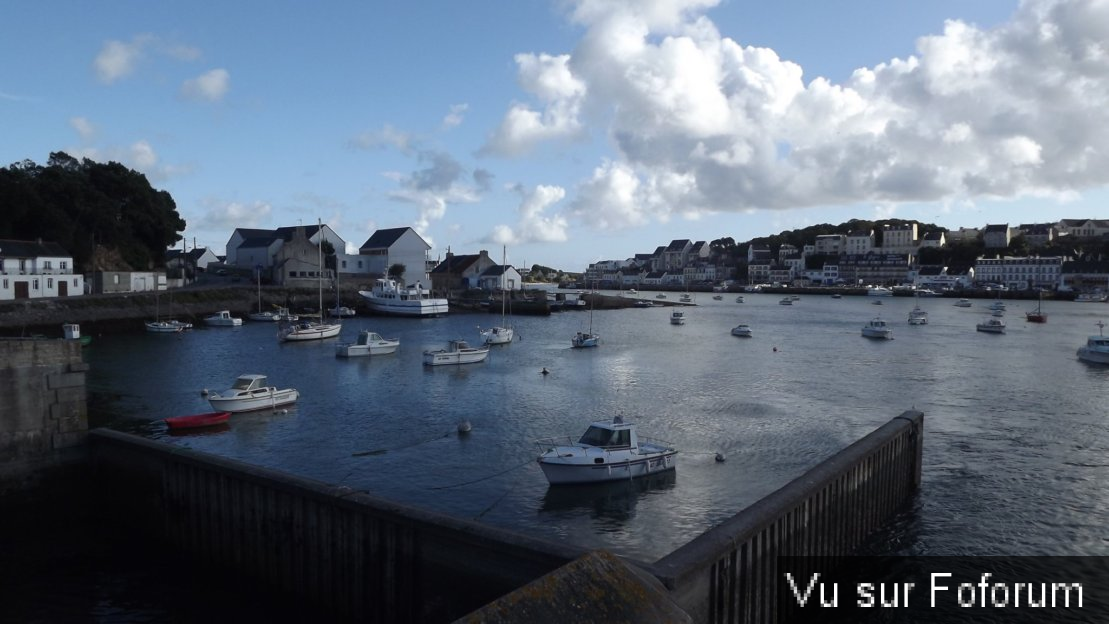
(464, 427)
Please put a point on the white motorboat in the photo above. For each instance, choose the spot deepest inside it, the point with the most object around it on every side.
(223, 318)
(739, 299)
(457, 352)
(962, 303)
(926, 292)
(607, 451)
(879, 291)
(660, 296)
(992, 326)
(677, 318)
(877, 328)
(389, 297)
(341, 312)
(917, 316)
(1096, 349)
(250, 392)
(1092, 297)
(785, 301)
(998, 305)
(686, 298)
(742, 330)
(718, 297)
(368, 343)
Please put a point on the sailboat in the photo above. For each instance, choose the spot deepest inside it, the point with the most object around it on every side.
(1039, 316)
(260, 315)
(504, 333)
(312, 330)
(169, 326)
(587, 339)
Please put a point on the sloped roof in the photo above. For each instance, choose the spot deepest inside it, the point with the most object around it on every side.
(1004, 227)
(258, 241)
(193, 254)
(496, 270)
(455, 264)
(678, 245)
(383, 239)
(930, 269)
(933, 235)
(286, 233)
(31, 249)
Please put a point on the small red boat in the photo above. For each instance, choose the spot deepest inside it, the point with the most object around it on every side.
(197, 420)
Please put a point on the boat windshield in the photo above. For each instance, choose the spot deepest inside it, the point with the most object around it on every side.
(599, 436)
(243, 383)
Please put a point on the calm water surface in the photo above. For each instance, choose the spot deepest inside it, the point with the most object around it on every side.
(1015, 446)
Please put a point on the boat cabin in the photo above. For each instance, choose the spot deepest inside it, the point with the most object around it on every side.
(614, 434)
(249, 382)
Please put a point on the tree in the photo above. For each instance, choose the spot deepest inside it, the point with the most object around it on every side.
(396, 271)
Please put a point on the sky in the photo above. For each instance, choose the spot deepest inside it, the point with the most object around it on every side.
(567, 132)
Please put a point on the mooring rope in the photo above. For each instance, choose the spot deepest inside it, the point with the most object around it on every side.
(485, 478)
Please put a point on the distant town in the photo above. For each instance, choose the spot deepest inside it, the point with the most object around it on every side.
(1065, 256)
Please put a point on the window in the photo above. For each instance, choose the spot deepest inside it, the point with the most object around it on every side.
(49, 283)
(63, 265)
(115, 280)
(5, 284)
(344, 264)
(34, 284)
(46, 264)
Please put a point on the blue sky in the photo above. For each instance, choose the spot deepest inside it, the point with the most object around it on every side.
(573, 131)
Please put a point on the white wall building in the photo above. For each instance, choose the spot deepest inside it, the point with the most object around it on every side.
(37, 269)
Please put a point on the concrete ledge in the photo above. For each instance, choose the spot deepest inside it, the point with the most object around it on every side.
(597, 587)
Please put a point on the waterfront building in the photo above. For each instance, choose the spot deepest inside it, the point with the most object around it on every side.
(252, 249)
(873, 268)
(1019, 273)
(392, 246)
(758, 251)
(1084, 276)
(758, 271)
(935, 239)
(460, 271)
(1037, 234)
(37, 269)
(676, 254)
(190, 262)
(900, 239)
(127, 281)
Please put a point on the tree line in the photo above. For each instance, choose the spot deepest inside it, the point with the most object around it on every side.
(87, 208)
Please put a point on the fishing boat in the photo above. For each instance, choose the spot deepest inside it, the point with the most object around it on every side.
(368, 343)
(303, 329)
(877, 328)
(502, 334)
(991, 326)
(223, 318)
(1096, 349)
(250, 392)
(196, 421)
(391, 298)
(743, 330)
(607, 451)
(677, 318)
(457, 352)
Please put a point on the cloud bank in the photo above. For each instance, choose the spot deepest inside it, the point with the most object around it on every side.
(701, 123)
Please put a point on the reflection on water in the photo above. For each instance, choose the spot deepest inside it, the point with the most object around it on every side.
(1015, 439)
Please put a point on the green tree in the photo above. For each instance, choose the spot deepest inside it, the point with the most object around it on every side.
(396, 271)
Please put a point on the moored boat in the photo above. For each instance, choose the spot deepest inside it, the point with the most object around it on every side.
(677, 318)
(223, 318)
(389, 297)
(368, 343)
(743, 330)
(991, 325)
(195, 421)
(457, 352)
(250, 392)
(877, 328)
(917, 316)
(607, 451)
(1096, 349)
(962, 303)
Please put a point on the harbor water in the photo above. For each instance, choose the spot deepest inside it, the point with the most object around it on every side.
(1015, 443)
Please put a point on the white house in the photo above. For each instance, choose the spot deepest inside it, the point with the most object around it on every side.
(35, 269)
(500, 277)
(249, 248)
(388, 247)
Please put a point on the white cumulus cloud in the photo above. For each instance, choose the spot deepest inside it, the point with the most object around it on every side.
(83, 127)
(118, 59)
(701, 123)
(534, 224)
(210, 86)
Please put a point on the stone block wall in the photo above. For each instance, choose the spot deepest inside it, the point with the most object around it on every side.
(43, 410)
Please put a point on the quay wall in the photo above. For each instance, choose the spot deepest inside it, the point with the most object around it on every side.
(729, 574)
(352, 555)
(43, 413)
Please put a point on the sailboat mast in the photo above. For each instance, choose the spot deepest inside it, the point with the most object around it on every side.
(319, 248)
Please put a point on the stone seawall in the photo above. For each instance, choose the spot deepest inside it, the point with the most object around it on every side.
(43, 413)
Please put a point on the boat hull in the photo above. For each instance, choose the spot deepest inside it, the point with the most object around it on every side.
(195, 421)
(560, 471)
(879, 334)
(1094, 356)
(311, 332)
(991, 329)
(262, 398)
(383, 347)
(498, 335)
(583, 341)
(443, 358)
(414, 307)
